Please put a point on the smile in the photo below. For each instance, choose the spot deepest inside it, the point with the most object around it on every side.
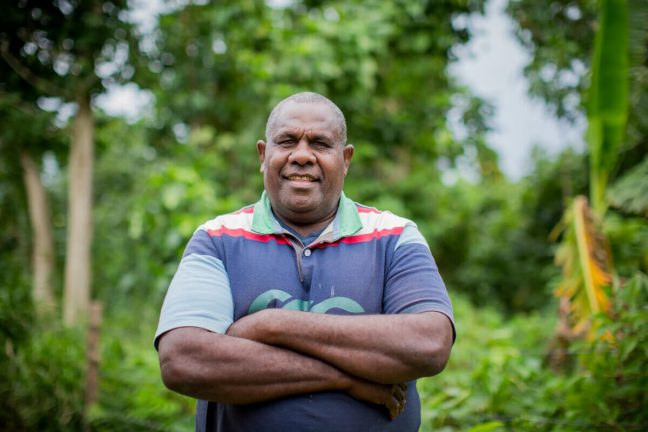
(305, 178)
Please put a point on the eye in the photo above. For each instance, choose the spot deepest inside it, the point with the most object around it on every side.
(321, 144)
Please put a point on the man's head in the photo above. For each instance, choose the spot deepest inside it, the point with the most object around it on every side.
(308, 98)
(305, 159)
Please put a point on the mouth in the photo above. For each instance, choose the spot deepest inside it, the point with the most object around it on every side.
(301, 178)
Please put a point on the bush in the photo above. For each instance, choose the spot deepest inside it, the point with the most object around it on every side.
(132, 395)
(495, 375)
(45, 387)
(611, 393)
(497, 378)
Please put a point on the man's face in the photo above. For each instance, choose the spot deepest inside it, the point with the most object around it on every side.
(304, 163)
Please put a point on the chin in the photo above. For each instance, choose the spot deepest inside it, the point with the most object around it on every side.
(302, 207)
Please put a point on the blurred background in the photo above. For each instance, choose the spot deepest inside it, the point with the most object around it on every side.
(514, 134)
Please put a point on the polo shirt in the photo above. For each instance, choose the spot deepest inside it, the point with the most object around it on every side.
(365, 261)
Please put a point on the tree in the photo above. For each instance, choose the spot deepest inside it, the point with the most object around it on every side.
(23, 146)
(43, 255)
(69, 51)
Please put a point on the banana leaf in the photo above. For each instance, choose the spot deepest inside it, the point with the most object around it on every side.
(607, 108)
(587, 269)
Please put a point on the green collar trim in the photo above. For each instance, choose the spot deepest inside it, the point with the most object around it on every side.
(347, 220)
(263, 221)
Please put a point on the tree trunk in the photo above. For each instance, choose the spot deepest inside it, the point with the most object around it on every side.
(93, 353)
(79, 238)
(43, 243)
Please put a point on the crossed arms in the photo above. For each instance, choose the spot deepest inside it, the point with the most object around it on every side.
(276, 352)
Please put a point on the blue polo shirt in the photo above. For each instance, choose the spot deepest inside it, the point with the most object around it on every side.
(365, 262)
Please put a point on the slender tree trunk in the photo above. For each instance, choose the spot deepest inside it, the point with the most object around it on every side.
(93, 357)
(43, 244)
(79, 238)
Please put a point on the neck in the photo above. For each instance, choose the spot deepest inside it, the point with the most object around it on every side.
(306, 227)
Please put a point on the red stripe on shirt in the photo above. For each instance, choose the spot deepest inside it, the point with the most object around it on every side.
(239, 232)
(368, 210)
(363, 238)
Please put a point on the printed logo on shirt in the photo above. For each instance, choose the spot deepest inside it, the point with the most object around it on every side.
(263, 301)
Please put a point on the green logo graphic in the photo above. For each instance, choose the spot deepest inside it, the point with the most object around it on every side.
(344, 303)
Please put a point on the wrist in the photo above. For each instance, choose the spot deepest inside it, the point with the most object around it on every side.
(270, 328)
(344, 382)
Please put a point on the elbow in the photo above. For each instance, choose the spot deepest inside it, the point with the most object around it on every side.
(173, 375)
(433, 358)
(438, 359)
(175, 364)
(435, 350)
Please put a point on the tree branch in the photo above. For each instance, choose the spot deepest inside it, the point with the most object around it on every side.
(30, 77)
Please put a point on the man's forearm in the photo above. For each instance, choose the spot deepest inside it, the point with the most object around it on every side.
(381, 348)
(220, 368)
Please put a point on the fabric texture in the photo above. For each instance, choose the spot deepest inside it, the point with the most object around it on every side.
(365, 262)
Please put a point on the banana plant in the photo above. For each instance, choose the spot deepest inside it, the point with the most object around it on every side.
(586, 262)
(607, 109)
(583, 253)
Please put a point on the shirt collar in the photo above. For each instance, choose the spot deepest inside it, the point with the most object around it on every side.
(347, 220)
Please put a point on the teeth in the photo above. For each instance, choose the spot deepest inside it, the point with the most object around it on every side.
(298, 177)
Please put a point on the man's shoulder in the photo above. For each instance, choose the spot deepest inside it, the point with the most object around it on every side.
(375, 219)
(237, 220)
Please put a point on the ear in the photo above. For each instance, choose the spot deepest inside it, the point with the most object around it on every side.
(261, 146)
(348, 155)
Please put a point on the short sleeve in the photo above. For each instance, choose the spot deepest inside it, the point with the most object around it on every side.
(199, 294)
(413, 283)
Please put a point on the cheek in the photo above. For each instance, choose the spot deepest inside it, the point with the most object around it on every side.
(275, 162)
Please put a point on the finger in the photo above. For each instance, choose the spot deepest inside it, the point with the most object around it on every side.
(403, 386)
(395, 408)
(399, 393)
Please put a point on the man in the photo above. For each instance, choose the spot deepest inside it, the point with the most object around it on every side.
(305, 311)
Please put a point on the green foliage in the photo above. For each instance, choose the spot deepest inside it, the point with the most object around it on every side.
(628, 238)
(630, 192)
(42, 380)
(216, 69)
(64, 49)
(495, 372)
(560, 38)
(16, 312)
(494, 247)
(42, 389)
(497, 378)
(155, 202)
(607, 108)
(132, 396)
(616, 362)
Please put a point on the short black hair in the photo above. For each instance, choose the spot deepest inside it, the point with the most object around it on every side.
(308, 97)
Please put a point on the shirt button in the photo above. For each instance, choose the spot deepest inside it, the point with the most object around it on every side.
(307, 252)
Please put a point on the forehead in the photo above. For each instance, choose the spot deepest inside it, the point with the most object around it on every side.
(315, 117)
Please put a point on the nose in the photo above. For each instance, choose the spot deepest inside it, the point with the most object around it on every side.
(302, 154)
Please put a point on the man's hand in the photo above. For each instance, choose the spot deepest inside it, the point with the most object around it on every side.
(393, 397)
(248, 327)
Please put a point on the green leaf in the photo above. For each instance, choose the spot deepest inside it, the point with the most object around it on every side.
(487, 427)
(608, 96)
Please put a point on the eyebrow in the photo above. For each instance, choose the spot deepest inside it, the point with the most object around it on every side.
(311, 136)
